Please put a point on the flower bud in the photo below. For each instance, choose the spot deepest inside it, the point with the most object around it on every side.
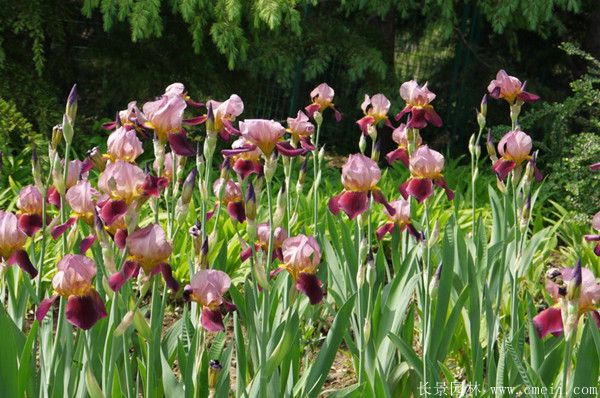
(362, 144)
(188, 187)
(481, 121)
(210, 120)
(371, 271)
(56, 136)
(203, 260)
(159, 154)
(36, 169)
(281, 207)
(71, 109)
(491, 149)
(210, 143)
(214, 368)
(483, 106)
(376, 151)
(435, 281)
(250, 202)
(97, 159)
(318, 116)
(360, 275)
(472, 145)
(125, 323)
(367, 330)
(270, 166)
(574, 285)
(67, 129)
(302, 173)
(321, 155)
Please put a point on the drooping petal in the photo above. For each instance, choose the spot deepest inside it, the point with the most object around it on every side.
(129, 270)
(120, 238)
(58, 230)
(311, 109)
(413, 231)
(528, 97)
(334, 204)
(400, 154)
(548, 321)
(310, 285)
(44, 307)
(364, 124)
(180, 144)
(21, 258)
(379, 198)
(238, 151)
(307, 144)
(85, 311)
(403, 112)
(212, 320)
(112, 210)
(384, 229)
(167, 273)
(440, 182)
(503, 167)
(244, 168)
(86, 243)
(286, 149)
(194, 121)
(246, 254)
(432, 117)
(595, 166)
(417, 119)
(53, 197)
(236, 211)
(353, 203)
(153, 185)
(30, 223)
(420, 188)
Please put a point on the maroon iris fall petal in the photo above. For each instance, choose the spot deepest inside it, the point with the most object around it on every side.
(548, 321)
(58, 230)
(53, 197)
(112, 210)
(400, 154)
(167, 273)
(246, 254)
(212, 320)
(86, 243)
(30, 223)
(120, 238)
(419, 188)
(440, 182)
(85, 311)
(432, 117)
(286, 149)
(194, 121)
(244, 168)
(503, 167)
(310, 285)
(236, 211)
(44, 307)
(180, 144)
(353, 203)
(528, 97)
(21, 258)
(153, 185)
(129, 270)
(384, 229)
(379, 198)
(364, 124)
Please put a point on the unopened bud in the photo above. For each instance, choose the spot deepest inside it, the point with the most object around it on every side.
(214, 369)
(250, 202)
(360, 275)
(371, 271)
(472, 145)
(302, 173)
(483, 106)
(36, 169)
(57, 135)
(97, 159)
(71, 109)
(362, 143)
(372, 131)
(367, 330)
(125, 323)
(574, 285)
(376, 151)
(67, 129)
(491, 149)
(270, 166)
(210, 143)
(318, 116)
(321, 156)
(210, 120)
(281, 207)
(188, 187)
(435, 281)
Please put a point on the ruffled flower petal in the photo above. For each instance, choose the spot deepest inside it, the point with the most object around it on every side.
(310, 285)
(85, 311)
(548, 321)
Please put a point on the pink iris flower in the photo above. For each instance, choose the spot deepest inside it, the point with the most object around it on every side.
(322, 98)
(418, 99)
(514, 149)
(426, 167)
(375, 109)
(550, 321)
(510, 89)
(595, 237)
(267, 135)
(30, 204)
(148, 249)
(124, 144)
(301, 129)
(82, 200)
(360, 176)
(400, 137)
(12, 241)
(165, 117)
(263, 234)
(225, 113)
(400, 218)
(207, 288)
(232, 198)
(244, 158)
(301, 257)
(74, 282)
